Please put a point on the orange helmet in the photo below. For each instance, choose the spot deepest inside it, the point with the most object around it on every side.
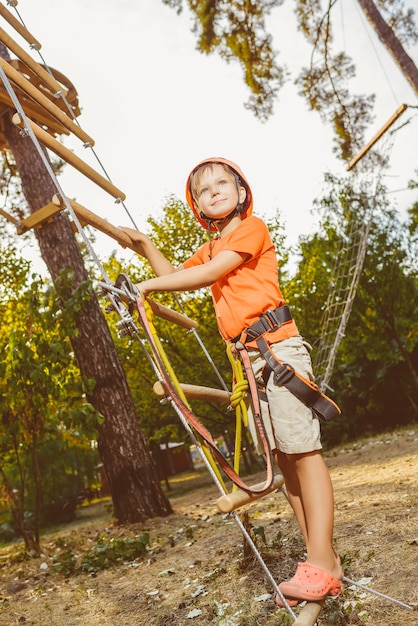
(245, 210)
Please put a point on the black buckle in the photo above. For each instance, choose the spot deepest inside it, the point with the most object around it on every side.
(283, 375)
(269, 321)
(271, 316)
(279, 316)
(258, 328)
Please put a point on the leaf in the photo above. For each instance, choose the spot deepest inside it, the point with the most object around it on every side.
(259, 531)
(167, 572)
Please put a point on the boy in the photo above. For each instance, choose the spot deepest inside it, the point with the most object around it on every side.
(240, 266)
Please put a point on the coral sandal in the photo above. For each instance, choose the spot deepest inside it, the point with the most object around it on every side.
(292, 603)
(311, 583)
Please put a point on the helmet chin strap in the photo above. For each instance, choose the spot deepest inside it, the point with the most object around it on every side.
(210, 221)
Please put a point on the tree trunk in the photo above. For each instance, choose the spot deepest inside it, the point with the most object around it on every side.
(391, 43)
(133, 481)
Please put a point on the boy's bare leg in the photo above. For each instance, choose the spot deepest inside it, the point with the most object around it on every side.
(293, 489)
(310, 491)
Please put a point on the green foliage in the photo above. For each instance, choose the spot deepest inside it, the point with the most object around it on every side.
(236, 30)
(14, 272)
(107, 553)
(43, 409)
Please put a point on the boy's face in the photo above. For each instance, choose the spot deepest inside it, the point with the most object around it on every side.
(217, 192)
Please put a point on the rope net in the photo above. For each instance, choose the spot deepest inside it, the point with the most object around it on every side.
(363, 194)
(343, 287)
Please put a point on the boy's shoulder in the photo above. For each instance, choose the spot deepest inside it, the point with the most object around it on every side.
(253, 221)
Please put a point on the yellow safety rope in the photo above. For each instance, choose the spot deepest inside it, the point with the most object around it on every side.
(237, 401)
(179, 390)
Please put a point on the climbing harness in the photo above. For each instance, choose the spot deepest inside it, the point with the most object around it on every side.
(267, 322)
(283, 374)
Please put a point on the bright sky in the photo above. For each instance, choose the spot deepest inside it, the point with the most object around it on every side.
(155, 107)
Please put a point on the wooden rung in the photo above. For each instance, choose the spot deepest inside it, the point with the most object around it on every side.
(309, 614)
(24, 84)
(54, 85)
(38, 217)
(70, 157)
(381, 132)
(71, 97)
(19, 28)
(171, 316)
(231, 501)
(34, 111)
(195, 392)
(88, 217)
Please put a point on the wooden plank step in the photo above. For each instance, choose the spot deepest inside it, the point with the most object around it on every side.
(37, 218)
(309, 614)
(171, 316)
(231, 501)
(50, 107)
(33, 111)
(88, 217)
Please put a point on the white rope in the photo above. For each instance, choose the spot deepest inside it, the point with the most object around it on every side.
(345, 279)
(377, 593)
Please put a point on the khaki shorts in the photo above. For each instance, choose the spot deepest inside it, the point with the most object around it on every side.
(291, 427)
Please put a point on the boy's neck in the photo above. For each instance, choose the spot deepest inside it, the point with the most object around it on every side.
(227, 228)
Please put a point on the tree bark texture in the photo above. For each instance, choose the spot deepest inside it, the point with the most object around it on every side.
(391, 42)
(133, 481)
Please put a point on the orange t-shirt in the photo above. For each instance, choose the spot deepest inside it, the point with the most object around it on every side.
(252, 288)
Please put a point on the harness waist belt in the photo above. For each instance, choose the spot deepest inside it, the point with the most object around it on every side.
(305, 390)
(268, 322)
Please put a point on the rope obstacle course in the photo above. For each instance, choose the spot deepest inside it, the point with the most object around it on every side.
(46, 106)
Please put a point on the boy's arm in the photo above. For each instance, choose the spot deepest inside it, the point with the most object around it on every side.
(194, 277)
(146, 248)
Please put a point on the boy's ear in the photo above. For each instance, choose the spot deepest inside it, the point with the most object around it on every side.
(242, 194)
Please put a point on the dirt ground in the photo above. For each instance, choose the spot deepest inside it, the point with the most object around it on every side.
(196, 569)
